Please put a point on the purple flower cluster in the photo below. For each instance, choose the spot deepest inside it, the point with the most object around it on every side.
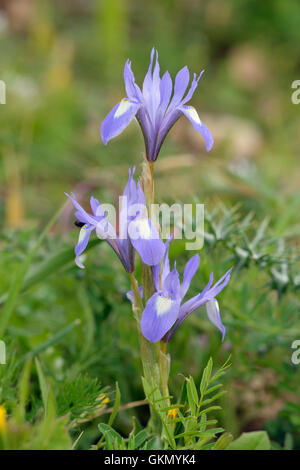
(165, 310)
(136, 231)
(154, 107)
(157, 107)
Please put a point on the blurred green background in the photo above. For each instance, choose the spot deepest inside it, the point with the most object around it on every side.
(62, 62)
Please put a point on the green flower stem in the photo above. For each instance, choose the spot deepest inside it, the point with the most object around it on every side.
(149, 355)
(156, 364)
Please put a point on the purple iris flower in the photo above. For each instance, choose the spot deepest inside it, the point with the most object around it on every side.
(164, 311)
(154, 107)
(136, 231)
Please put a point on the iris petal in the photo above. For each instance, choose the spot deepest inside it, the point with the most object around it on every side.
(146, 240)
(171, 285)
(181, 83)
(159, 316)
(84, 236)
(118, 119)
(189, 272)
(213, 313)
(132, 89)
(192, 115)
(165, 92)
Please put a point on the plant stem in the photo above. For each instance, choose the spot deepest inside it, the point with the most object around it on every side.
(156, 363)
(149, 354)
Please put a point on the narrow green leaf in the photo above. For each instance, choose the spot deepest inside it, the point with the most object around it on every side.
(140, 438)
(214, 398)
(42, 382)
(116, 405)
(23, 391)
(112, 438)
(194, 390)
(211, 408)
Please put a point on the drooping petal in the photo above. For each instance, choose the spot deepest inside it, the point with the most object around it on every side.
(189, 272)
(84, 236)
(146, 240)
(213, 313)
(118, 119)
(192, 115)
(159, 316)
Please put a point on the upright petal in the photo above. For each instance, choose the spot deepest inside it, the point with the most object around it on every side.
(222, 282)
(97, 208)
(147, 84)
(165, 92)
(132, 89)
(189, 272)
(181, 83)
(146, 240)
(206, 296)
(81, 214)
(165, 267)
(118, 119)
(171, 285)
(159, 316)
(213, 313)
(192, 115)
(166, 261)
(192, 89)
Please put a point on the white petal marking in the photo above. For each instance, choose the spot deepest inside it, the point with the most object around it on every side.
(82, 233)
(194, 115)
(124, 106)
(144, 228)
(163, 305)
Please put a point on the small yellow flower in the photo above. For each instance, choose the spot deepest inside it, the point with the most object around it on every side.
(103, 399)
(173, 413)
(2, 420)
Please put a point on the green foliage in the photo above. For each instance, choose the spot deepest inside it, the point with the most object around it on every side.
(76, 326)
(79, 397)
(247, 242)
(256, 440)
(193, 426)
(47, 431)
